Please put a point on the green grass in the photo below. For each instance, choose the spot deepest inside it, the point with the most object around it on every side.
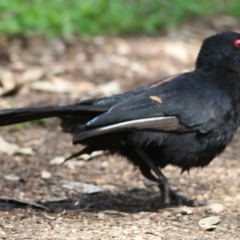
(66, 18)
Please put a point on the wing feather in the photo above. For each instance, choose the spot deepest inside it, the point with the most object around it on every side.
(152, 124)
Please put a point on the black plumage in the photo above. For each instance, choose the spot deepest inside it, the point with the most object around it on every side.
(183, 120)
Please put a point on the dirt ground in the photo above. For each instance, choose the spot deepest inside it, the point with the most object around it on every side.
(37, 72)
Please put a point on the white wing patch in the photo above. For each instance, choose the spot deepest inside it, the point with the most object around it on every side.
(154, 123)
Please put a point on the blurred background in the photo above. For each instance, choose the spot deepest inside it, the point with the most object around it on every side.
(66, 19)
(63, 51)
(121, 43)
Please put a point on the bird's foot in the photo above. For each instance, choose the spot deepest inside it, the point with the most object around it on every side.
(176, 199)
(171, 198)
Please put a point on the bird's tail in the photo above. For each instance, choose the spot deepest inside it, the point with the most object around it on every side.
(68, 114)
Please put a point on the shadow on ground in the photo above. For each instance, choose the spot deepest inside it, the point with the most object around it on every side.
(130, 201)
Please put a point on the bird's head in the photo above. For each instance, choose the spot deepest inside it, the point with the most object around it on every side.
(220, 51)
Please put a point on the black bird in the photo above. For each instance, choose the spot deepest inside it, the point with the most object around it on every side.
(183, 120)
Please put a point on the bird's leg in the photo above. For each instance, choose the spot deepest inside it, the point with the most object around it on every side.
(161, 179)
(146, 172)
(167, 193)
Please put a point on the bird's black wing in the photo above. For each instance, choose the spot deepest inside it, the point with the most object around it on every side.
(189, 102)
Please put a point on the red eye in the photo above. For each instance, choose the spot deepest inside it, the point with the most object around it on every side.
(237, 43)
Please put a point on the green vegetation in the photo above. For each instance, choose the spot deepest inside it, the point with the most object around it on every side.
(25, 125)
(67, 18)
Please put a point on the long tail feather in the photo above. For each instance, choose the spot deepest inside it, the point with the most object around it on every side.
(13, 116)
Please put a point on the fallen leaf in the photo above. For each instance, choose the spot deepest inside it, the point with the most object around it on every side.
(57, 199)
(186, 210)
(57, 161)
(26, 202)
(18, 65)
(12, 177)
(2, 234)
(209, 223)
(100, 215)
(123, 49)
(87, 157)
(177, 50)
(8, 83)
(216, 207)
(32, 74)
(82, 187)
(45, 174)
(10, 148)
(138, 237)
(60, 85)
(7, 226)
(108, 88)
(149, 183)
